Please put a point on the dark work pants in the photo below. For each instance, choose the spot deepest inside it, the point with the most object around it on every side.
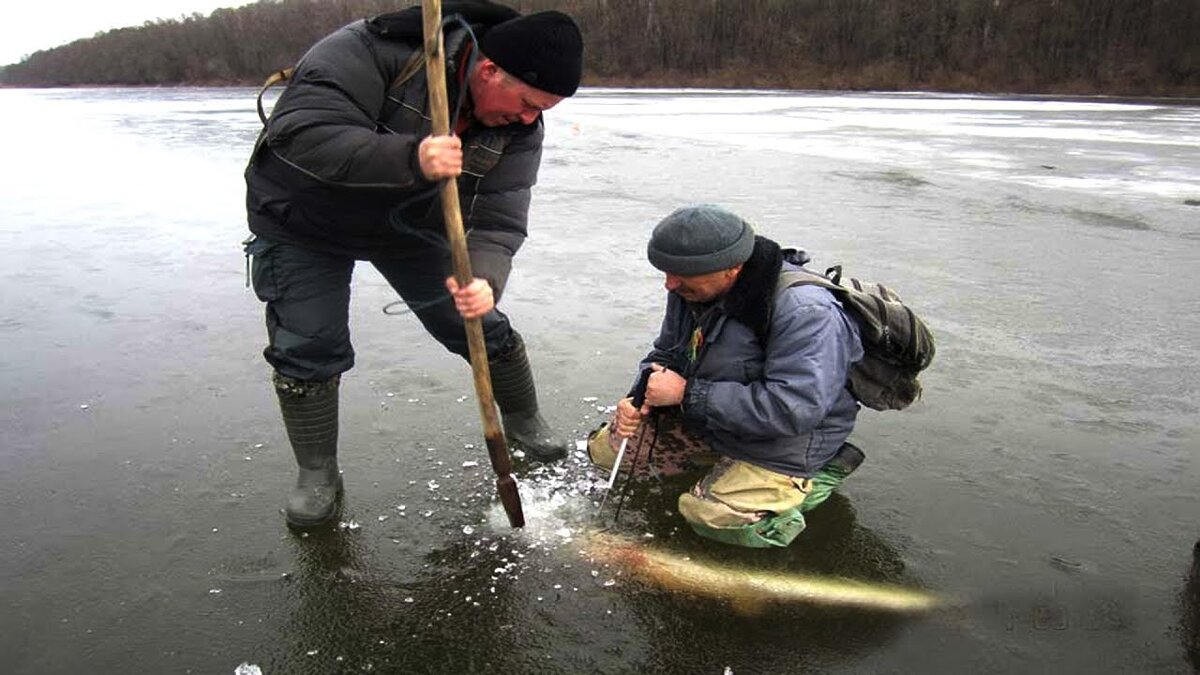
(308, 306)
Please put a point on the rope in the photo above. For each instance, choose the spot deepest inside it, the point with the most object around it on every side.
(436, 239)
(633, 463)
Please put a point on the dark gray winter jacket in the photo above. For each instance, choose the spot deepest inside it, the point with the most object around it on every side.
(336, 169)
(766, 389)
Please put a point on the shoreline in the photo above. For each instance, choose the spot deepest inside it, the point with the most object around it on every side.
(1185, 98)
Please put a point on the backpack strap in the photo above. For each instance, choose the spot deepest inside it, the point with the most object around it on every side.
(273, 79)
(414, 65)
(787, 279)
(800, 277)
(411, 67)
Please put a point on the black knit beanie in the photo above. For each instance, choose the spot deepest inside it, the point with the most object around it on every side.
(543, 50)
(699, 240)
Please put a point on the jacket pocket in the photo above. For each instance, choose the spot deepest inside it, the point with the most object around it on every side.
(260, 256)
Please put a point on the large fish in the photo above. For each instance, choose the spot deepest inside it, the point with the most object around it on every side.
(750, 591)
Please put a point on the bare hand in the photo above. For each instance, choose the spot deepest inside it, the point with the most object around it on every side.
(474, 300)
(665, 387)
(440, 157)
(627, 419)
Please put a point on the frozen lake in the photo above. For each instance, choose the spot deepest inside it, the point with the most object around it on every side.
(1048, 477)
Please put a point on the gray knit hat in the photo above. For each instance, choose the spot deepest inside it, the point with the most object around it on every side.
(699, 240)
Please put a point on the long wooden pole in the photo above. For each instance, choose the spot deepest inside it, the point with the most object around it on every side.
(439, 112)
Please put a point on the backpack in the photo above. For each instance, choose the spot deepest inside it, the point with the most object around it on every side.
(897, 344)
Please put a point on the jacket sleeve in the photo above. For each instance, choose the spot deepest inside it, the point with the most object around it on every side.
(498, 220)
(324, 123)
(807, 360)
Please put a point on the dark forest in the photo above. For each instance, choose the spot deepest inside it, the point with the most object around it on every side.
(1112, 47)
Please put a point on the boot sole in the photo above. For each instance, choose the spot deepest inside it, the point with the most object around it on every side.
(304, 523)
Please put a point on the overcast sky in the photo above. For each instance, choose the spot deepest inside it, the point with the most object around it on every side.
(26, 27)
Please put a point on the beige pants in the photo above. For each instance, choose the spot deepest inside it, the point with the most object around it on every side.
(736, 493)
(732, 494)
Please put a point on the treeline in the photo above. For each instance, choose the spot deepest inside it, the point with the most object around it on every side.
(1120, 47)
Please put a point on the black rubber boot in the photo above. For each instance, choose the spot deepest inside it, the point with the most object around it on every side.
(512, 385)
(847, 459)
(310, 413)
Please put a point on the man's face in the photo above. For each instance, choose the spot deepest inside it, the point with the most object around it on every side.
(501, 99)
(703, 287)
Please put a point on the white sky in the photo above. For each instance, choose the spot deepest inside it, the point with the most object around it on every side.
(27, 26)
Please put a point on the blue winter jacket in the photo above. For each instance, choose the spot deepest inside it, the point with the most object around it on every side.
(767, 388)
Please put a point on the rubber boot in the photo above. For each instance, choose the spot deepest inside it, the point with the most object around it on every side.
(524, 427)
(310, 414)
(825, 481)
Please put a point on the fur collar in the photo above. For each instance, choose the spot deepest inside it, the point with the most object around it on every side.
(749, 300)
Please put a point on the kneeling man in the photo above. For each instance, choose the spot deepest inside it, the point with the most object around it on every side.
(748, 374)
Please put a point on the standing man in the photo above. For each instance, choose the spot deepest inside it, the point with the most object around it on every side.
(755, 375)
(346, 170)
